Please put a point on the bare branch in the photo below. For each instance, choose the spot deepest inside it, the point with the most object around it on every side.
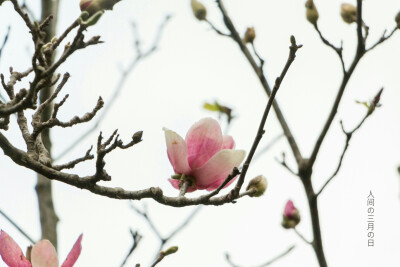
(120, 85)
(72, 164)
(292, 55)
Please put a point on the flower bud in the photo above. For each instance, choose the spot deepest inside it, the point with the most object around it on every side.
(93, 6)
(249, 35)
(397, 19)
(348, 13)
(291, 216)
(259, 185)
(311, 12)
(199, 10)
(170, 251)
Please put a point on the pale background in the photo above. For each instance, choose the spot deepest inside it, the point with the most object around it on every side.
(194, 65)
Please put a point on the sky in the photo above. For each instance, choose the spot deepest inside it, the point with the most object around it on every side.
(193, 65)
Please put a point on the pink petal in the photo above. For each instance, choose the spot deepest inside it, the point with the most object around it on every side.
(218, 167)
(74, 253)
(177, 152)
(289, 209)
(216, 184)
(227, 142)
(11, 253)
(44, 254)
(203, 140)
(175, 184)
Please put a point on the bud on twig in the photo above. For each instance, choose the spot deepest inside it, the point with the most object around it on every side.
(291, 216)
(199, 10)
(259, 185)
(311, 12)
(249, 35)
(348, 13)
(170, 251)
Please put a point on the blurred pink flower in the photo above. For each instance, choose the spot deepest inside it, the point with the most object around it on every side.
(205, 155)
(43, 253)
(290, 209)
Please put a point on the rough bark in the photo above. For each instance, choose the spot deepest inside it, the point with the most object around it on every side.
(48, 216)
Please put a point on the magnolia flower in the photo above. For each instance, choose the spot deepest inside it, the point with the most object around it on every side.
(291, 216)
(206, 157)
(42, 254)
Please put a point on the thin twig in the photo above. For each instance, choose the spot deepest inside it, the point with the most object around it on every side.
(268, 263)
(136, 239)
(258, 70)
(349, 135)
(267, 147)
(164, 240)
(292, 55)
(338, 50)
(383, 38)
(301, 236)
(278, 257)
(284, 164)
(5, 40)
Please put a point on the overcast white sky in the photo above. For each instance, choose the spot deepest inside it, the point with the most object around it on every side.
(194, 65)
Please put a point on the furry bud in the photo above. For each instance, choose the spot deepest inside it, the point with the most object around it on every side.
(348, 13)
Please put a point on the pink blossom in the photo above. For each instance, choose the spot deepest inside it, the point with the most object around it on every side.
(205, 155)
(43, 253)
(290, 209)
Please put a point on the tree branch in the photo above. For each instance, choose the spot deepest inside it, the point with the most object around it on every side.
(258, 70)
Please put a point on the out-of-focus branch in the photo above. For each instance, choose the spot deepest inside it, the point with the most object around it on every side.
(163, 240)
(267, 147)
(120, 85)
(17, 227)
(302, 236)
(136, 239)
(268, 263)
(5, 40)
(284, 164)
